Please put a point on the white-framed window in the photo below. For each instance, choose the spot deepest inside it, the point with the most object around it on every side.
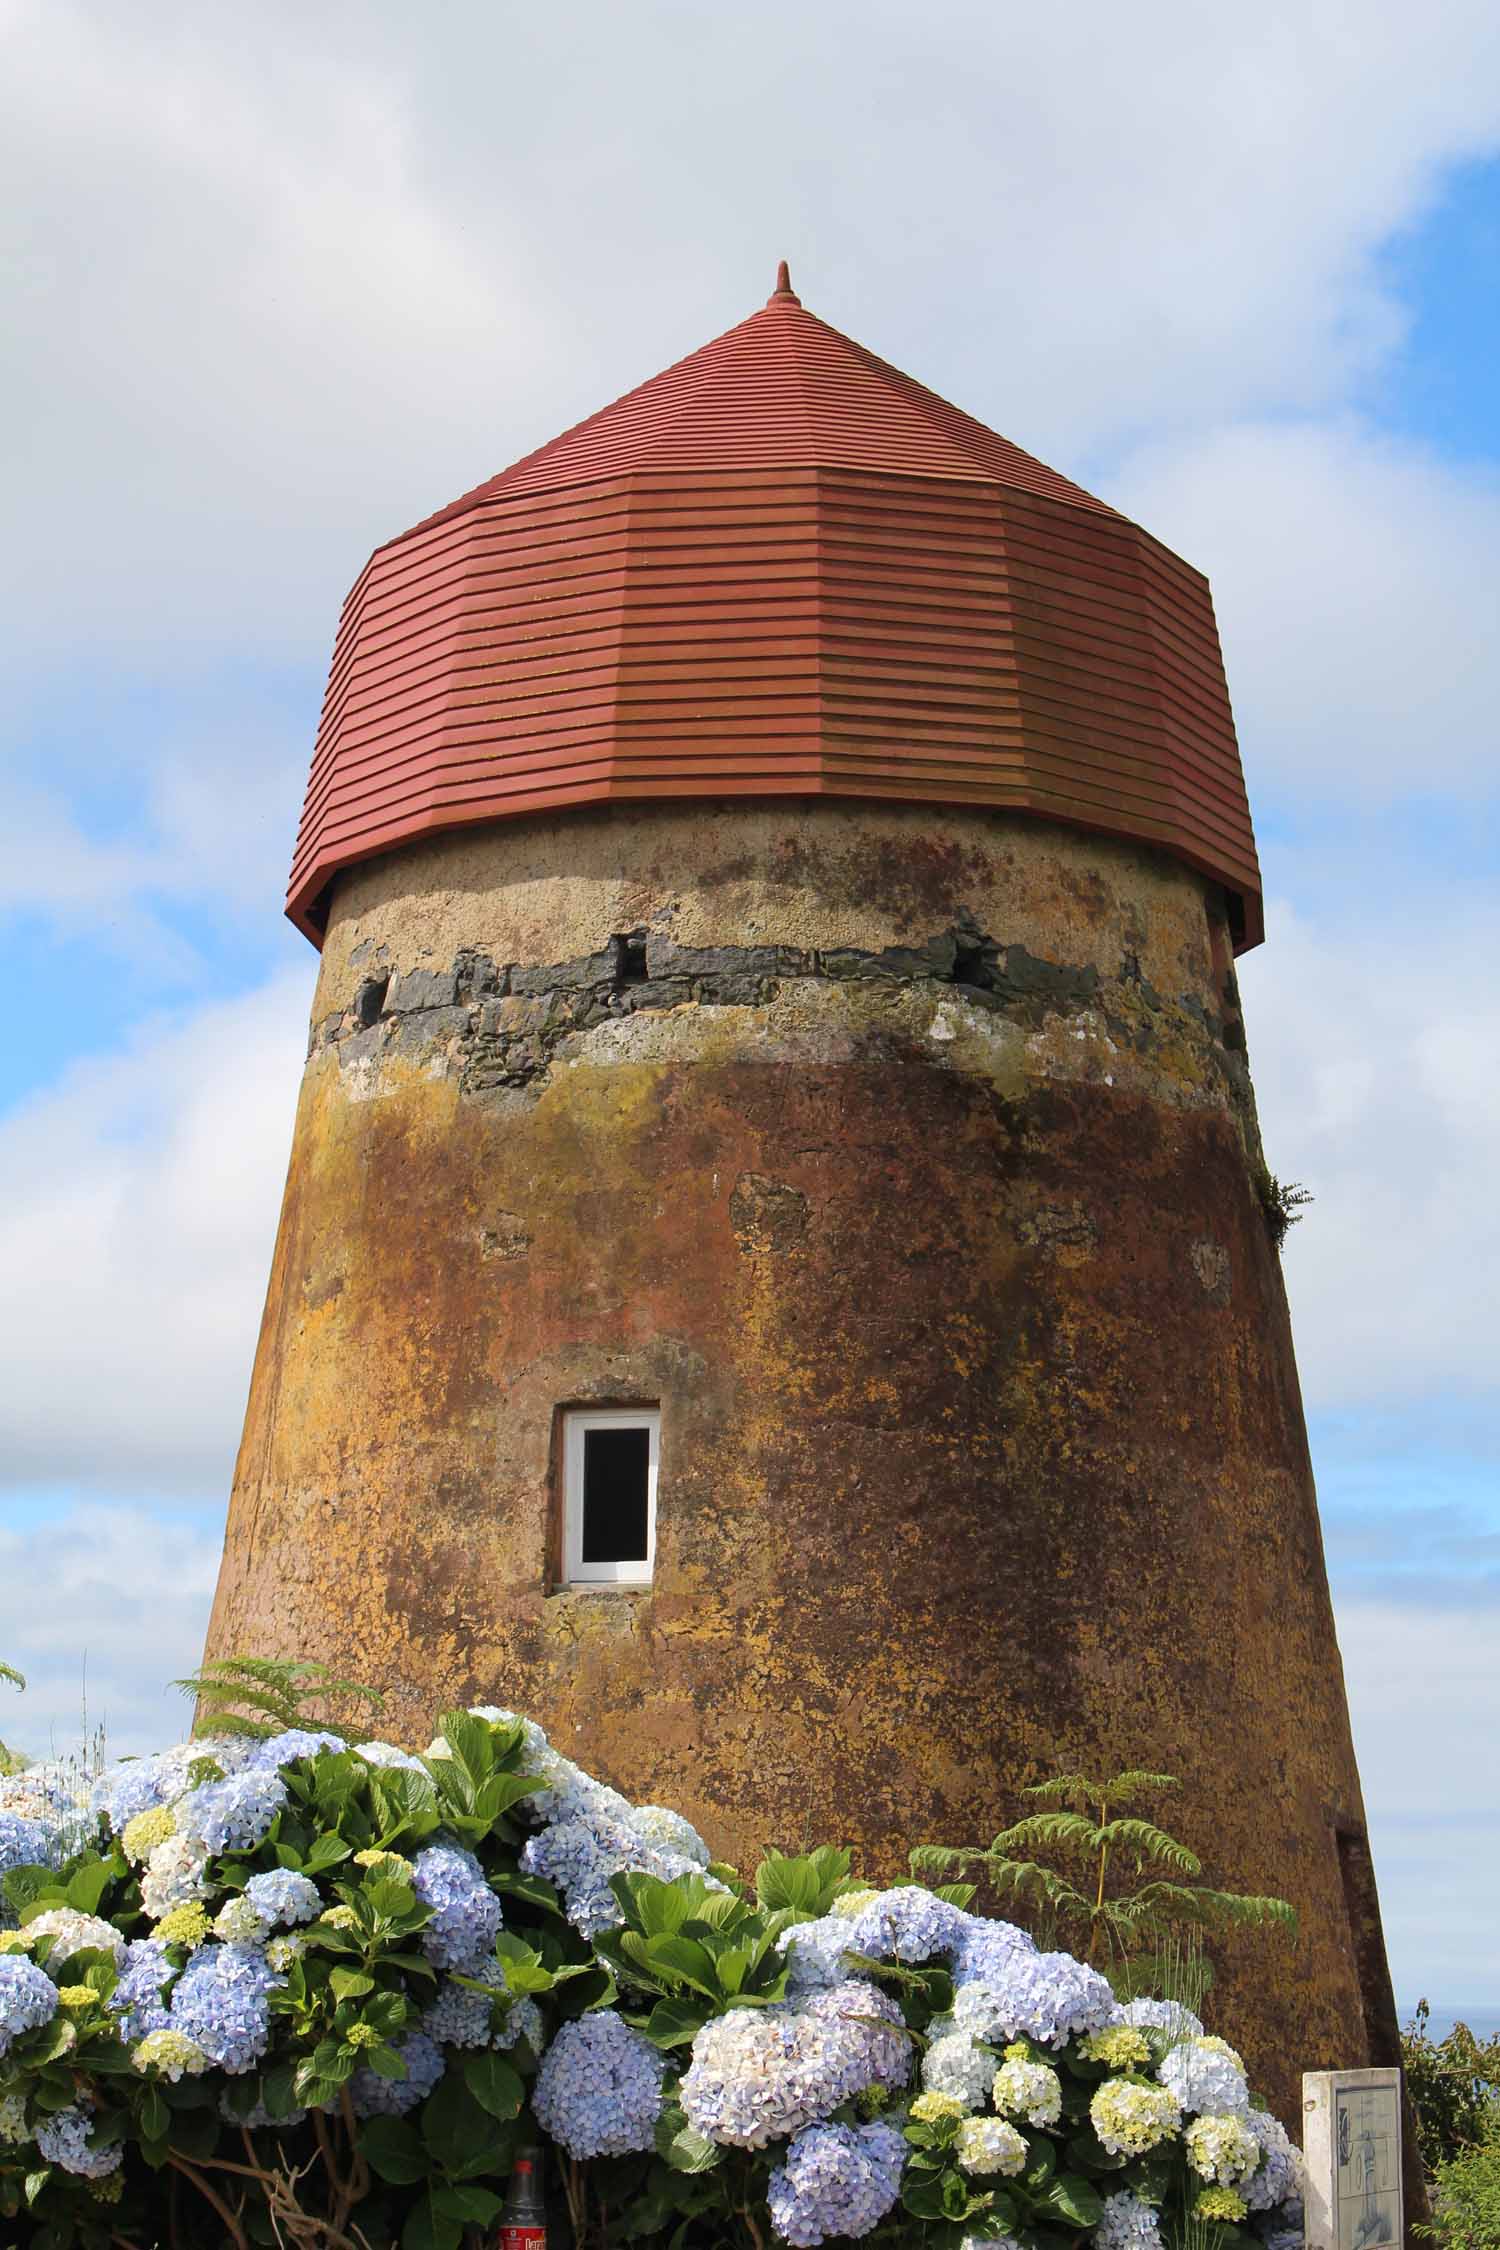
(609, 1494)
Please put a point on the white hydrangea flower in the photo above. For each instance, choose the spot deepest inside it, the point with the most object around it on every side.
(1168, 2016)
(956, 2064)
(72, 1932)
(1131, 2119)
(1027, 2090)
(176, 1874)
(988, 2144)
(238, 1923)
(1222, 2150)
(668, 1831)
(1206, 2075)
(761, 2074)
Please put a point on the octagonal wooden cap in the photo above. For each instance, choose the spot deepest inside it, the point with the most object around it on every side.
(780, 569)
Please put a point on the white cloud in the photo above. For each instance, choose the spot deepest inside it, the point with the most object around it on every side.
(1375, 1047)
(211, 813)
(1423, 1687)
(135, 1242)
(280, 283)
(1354, 577)
(286, 281)
(232, 297)
(127, 1598)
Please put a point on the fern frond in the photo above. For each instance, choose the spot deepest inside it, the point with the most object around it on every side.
(1148, 1841)
(1066, 1831)
(1246, 1911)
(9, 1672)
(232, 1690)
(239, 1724)
(1133, 1783)
(1178, 1902)
(1137, 1914)
(925, 1858)
(228, 1694)
(265, 1671)
(1067, 1788)
(1020, 1876)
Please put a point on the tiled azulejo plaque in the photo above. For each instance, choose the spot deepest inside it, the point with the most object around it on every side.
(1351, 2131)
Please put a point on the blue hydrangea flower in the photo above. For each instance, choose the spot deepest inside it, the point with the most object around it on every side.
(25, 1842)
(578, 1857)
(523, 2022)
(465, 1911)
(44, 1792)
(1287, 2229)
(856, 2012)
(138, 1785)
(815, 1953)
(374, 2096)
(138, 1991)
(760, 2074)
(985, 1949)
(1278, 2179)
(570, 1794)
(282, 1899)
(666, 1830)
(906, 1924)
(1048, 1997)
(459, 2017)
(386, 1754)
(296, 1742)
(233, 1815)
(1127, 2224)
(580, 1854)
(124, 1790)
(221, 2001)
(67, 2140)
(598, 2092)
(836, 2180)
(1168, 2016)
(956, 2065)
(1205, 2074)
(28, 1998)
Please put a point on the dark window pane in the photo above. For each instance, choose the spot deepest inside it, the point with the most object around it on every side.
(615, 1464)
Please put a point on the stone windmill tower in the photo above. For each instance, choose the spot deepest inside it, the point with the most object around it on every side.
(772, 1279)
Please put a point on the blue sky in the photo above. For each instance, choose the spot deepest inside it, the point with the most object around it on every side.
(281, 285)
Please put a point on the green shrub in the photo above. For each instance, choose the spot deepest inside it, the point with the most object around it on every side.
(1466, 2200)
(288, 1991)
(1454, 2084)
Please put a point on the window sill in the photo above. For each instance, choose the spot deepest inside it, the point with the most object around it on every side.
(599, 1586)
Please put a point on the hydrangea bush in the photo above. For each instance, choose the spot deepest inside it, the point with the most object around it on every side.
(289, 1991)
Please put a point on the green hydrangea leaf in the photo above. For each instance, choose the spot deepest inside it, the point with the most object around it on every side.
(495, 2084)
(1074, 2200)
(393, 2148)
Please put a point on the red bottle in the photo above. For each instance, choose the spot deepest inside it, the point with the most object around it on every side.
(523, 2216)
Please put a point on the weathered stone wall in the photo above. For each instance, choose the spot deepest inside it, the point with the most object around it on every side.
(906, 1159)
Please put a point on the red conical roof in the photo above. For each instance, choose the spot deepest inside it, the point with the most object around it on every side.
(781, 567)
(782, 390)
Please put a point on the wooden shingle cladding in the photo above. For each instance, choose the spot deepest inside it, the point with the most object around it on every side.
(781, 569)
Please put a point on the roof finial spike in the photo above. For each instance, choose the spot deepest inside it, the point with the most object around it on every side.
(784, 293)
